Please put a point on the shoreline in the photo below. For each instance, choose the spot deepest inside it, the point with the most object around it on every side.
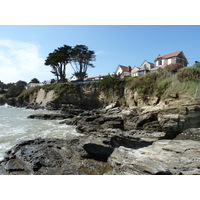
(107, 134)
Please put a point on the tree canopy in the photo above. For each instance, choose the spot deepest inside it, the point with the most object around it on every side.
(16, 89)
(80, 58)
(58, 61)
(34, 80)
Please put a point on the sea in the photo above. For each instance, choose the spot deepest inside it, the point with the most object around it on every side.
(15, 127)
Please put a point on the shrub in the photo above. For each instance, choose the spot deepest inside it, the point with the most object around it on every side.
(173, 68)
(189, 74)
(196, 65)
(161, 88)
(145, 85)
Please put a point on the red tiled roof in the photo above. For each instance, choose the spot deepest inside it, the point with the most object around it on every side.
(169, 55)
(126, 69)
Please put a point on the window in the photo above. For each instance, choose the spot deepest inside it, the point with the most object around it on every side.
(160, 62)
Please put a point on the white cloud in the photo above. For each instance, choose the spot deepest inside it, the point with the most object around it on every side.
(21, 61)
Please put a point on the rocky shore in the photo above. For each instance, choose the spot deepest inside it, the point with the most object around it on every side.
(162, 139)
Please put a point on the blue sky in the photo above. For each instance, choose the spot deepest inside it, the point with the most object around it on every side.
(23, 48)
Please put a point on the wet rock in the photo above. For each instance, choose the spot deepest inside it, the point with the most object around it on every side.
(49, 116)
(51, 156)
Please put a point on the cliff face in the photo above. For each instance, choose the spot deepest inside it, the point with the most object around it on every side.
(84, 98)
(93, 98)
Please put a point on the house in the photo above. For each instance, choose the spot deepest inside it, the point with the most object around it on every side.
(95, 78)
(134, 71)
(171, 58)
(73, 78)
(145, 67)
(30, 85)
(123, 71)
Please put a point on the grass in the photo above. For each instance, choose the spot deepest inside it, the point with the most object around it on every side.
(26, 93)
(186, 83)
(63, 88)
(162, 84)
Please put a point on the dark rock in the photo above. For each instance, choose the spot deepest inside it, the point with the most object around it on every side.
(49, 116)
(98, 152)
(13, 165)
(51, 156)
(189, 134)
(128, 142)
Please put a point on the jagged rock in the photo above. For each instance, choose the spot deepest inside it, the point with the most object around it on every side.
(96, 122)
(51, 156)
(162, 157)
(189, 134)
(98, 151)
(143, 135)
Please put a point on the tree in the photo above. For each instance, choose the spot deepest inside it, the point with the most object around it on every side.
(81, 58)
(2, 87)
(35, 80)
(111, 82)
(58, 61)
(15, 90)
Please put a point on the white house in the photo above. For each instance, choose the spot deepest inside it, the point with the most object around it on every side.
(170, 58)
(95, 78)
(123, 71)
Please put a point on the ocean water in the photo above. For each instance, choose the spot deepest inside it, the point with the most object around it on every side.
(15, 127)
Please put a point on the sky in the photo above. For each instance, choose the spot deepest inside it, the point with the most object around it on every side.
(24, 48)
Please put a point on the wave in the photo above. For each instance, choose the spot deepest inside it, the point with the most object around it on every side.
(7, 106)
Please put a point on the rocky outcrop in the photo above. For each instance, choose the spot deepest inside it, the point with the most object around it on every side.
(163, 157)
(107, 152)
(48, 116)
(51, 156)
(189, 134)
(169, 119)
(84, 155)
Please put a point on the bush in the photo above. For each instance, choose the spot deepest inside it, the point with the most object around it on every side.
(145, 85)
(161, 88)
(189, 74)
(173, 68)
(196, 65)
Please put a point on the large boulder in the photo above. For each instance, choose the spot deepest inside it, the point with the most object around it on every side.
(162, 157)
(51, 156)
(189, 134)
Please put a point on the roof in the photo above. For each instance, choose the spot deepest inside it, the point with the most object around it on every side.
(152, 64)
(126, 69)
(92, 77)
(169, 55)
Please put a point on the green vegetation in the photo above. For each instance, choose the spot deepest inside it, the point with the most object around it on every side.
(80, 58)
(34, 80)
(16, 89)
(162, 84)
(185, 82)
(63, 88)
(26, 93)
(189, 73)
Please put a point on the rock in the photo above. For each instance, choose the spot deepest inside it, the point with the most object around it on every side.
(162, 157)
(96, 122)
(49, 116)
(13, 165)
(97, 151)
(148, 136)
(129, 142)
(51, 156)
(189, 134)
